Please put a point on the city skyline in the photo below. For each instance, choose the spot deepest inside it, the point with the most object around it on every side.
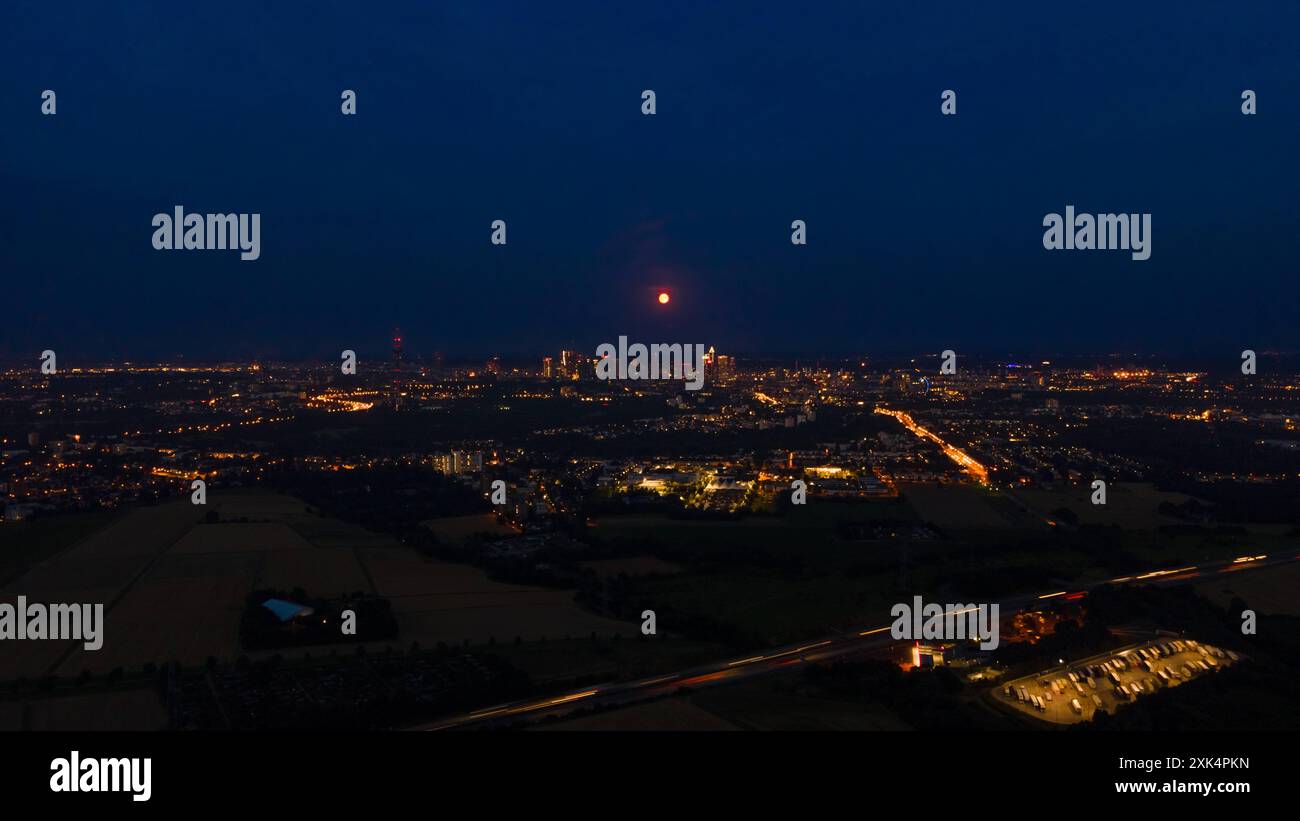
(376, 360)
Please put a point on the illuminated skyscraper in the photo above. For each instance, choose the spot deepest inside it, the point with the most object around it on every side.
(568, 365)
(726, 367)
(396, 386)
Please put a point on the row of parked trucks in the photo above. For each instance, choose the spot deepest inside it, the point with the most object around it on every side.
(1081, 683)
(1040, 703)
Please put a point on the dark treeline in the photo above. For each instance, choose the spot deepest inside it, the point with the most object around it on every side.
(389, 499)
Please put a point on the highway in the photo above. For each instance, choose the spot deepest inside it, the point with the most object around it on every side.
(794, 656)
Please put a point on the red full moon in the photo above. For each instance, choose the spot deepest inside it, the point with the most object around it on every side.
(663, 298)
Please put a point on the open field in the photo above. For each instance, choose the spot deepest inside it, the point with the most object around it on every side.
(962, 507)
(28, 543)
(326, 532)
(174, 588)
(145, 531)
(1132, 506)
(167, 619)
(439, 601)
(238, 538)
(1272, 593)
(323, 571)
(99, 569)
(452, 529)
(318, 530)
(261, 505)
(554, 615)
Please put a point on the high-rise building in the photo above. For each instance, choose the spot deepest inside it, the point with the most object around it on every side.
(726, 367)
(466, 461)
(584, 367)
(397, 387)
(548, 368)
(458, 462)
(568, 365)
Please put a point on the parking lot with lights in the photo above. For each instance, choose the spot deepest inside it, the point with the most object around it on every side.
(1075, 691)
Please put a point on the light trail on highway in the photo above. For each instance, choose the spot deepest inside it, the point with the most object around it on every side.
(957, 455)
(793, 656)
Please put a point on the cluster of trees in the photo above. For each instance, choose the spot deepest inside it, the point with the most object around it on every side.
(1235, 502)
(1068, 639)
(370, 616)
(387, 499)
(932, 701)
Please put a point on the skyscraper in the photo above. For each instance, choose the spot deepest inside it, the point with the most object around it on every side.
(396, 383)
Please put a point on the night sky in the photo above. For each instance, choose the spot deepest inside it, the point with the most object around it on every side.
(924, 231)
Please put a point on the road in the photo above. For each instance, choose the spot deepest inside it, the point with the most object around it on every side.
(794, 656)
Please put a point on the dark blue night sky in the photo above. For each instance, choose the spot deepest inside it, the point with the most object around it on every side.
(924, 230)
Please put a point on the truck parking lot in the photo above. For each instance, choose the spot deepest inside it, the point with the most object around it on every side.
(1076, 691)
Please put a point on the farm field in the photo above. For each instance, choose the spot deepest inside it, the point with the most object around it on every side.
(459, 528)
(439, 601)
(963, 507)
(238, 537)
(1130, 505)
(174, 586)
(28, 543)
(1271, 593)
(98, 569)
